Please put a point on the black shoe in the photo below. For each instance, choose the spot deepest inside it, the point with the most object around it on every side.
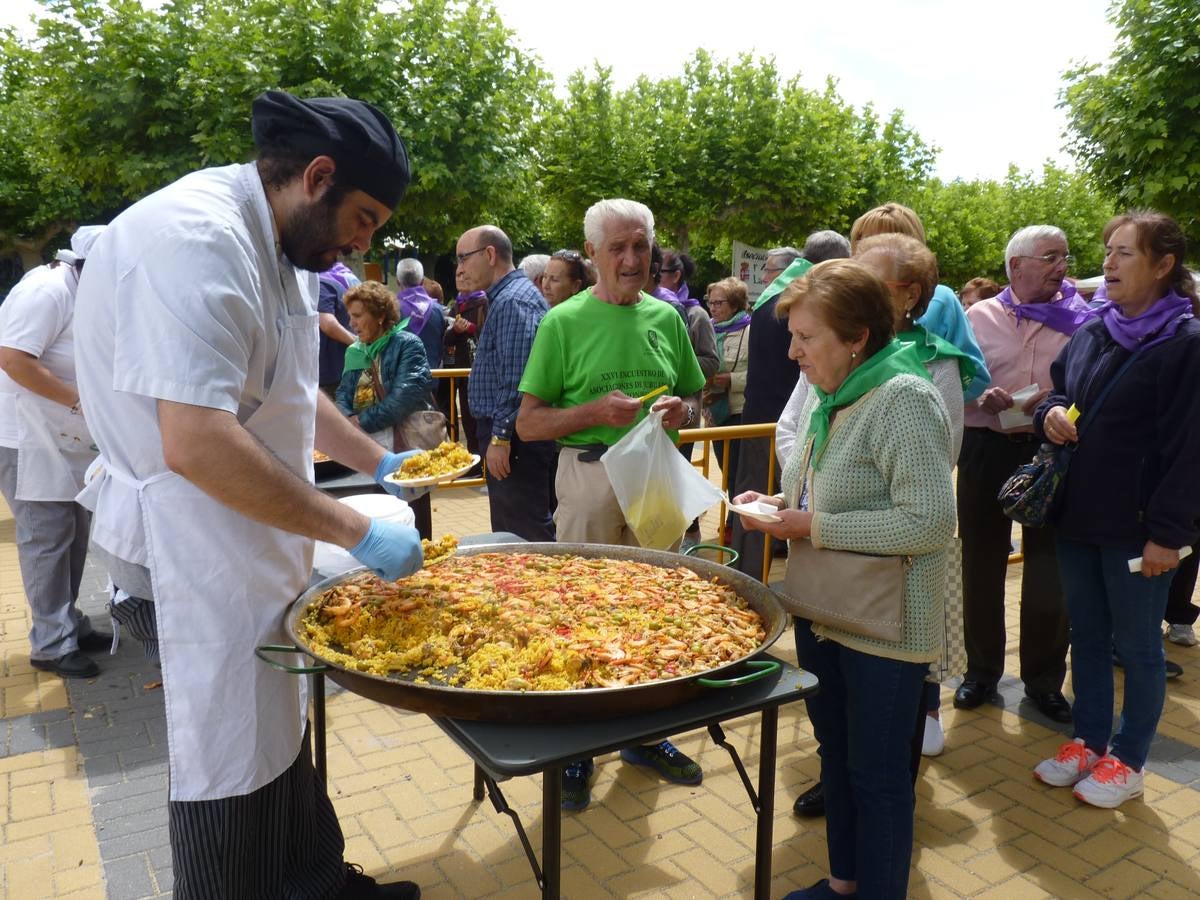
(1174, 669)
(95, 642)
(810, 804)
(972, 694)
(363, 887)
(1052, 704)
(576, 791)
(69, 665)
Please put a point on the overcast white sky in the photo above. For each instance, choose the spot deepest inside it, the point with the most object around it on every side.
(978, 78)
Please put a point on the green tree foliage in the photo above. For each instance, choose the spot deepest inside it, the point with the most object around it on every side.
(1137, 125)
(968, 223)
(121, 99)
(723, 149)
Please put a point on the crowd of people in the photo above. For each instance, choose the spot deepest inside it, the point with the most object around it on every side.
(166, 381)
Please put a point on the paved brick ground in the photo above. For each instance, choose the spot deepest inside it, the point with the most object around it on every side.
(83, 788)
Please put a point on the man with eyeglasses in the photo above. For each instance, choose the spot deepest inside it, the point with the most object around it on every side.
(1020, 332)
(520, 473)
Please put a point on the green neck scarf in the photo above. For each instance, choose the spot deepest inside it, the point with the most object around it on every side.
(930, 346)
(360, 355)
(893, 359)
(799, 266)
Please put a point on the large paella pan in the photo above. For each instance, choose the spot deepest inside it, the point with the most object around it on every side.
(416, 692)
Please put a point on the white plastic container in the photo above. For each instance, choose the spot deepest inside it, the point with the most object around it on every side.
(330, 559)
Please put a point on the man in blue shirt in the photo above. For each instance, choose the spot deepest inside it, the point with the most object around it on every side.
(334, 322)
(520, 473)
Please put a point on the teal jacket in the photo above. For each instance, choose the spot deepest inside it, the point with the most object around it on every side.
(407, 381)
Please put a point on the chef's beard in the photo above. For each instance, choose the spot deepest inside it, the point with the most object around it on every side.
(309, 237)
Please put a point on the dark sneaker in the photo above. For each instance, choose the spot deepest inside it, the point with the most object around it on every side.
(359, 886)
(69, 665)
(95, 642)
(576, 792)
(665, 759)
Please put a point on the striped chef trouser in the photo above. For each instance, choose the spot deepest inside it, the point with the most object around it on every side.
(280, 842)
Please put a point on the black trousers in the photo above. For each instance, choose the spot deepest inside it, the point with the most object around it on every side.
(1180, 608)
(524, 502)
(987, 459)
(281, 842)
(751, 475)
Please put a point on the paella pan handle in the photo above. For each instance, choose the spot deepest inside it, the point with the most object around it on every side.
(764, 668)
(263, 651)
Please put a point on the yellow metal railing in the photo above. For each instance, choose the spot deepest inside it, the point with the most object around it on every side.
(702, 436)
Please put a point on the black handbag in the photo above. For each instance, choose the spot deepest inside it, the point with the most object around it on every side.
(1032, 494)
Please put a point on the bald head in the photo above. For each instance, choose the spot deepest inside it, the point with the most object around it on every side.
(484, 257)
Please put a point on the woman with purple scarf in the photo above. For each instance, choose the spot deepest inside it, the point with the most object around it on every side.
(423, 314)
(1132, 491)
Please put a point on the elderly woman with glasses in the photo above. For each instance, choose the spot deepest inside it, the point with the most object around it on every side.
(724, 393)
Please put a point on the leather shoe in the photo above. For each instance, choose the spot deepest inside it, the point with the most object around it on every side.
(1052, 704)
(69, 665)
(972, 694)
(359, 886)
(95, 642)
(810, 804)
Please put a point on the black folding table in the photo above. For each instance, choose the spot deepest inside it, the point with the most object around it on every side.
(501, 750)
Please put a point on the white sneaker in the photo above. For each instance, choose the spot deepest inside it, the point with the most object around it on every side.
(1073, 762)
(1110, 784)
(934, 741)
(1184, 635)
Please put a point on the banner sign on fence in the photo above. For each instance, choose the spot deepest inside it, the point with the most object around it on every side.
(748, 265)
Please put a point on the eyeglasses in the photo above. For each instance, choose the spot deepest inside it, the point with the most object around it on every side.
(1052, 259)
(712, 302)
(462, 257)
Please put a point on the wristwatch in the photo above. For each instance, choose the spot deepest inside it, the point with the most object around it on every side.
(691, 416)
(500, 442)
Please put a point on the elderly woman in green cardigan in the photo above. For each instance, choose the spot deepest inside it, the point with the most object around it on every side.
(871, 475)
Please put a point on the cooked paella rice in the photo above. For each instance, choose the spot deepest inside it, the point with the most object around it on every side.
(530, 622)
(446, 457)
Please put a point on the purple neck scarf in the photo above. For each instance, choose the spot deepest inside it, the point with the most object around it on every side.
(342, 274)
(684, 297)
(1065, 315)
(1157, 324)
(415, 304)
(736, 323)
(666, 295)
(464, 302)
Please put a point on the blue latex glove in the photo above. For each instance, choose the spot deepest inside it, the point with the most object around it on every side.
(389, 464)
(391, 551)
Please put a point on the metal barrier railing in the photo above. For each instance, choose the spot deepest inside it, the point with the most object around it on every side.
(702, 436)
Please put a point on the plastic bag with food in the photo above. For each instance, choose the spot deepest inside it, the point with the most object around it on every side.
(659, 491)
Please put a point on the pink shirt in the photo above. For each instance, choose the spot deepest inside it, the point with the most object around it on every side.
(1016, 356)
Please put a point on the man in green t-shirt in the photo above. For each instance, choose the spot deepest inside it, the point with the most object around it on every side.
(593, 356)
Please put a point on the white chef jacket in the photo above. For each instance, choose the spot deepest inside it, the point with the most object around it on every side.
(36, 318)
(196, 326)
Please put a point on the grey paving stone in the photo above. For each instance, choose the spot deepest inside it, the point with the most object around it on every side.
(92, 736)
(128, 878)
(138, 842)
(133, 823)
(149, 803)
(134, 787)
(116, 744)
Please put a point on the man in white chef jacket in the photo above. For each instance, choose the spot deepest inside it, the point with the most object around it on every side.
(44, 449)
(197, 363)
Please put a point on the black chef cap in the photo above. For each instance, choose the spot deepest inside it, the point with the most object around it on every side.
(369, 154)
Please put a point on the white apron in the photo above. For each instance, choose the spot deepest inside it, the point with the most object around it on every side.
(54, 449)
(222, 583)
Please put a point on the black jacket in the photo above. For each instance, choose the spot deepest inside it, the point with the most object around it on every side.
(770, 375)
(1135, 474)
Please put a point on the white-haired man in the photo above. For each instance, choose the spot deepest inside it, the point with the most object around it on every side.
(590, 361)
(425, 316)
(1020, 332)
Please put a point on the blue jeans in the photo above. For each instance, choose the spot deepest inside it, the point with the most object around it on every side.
(863, 718)
(1111, 611)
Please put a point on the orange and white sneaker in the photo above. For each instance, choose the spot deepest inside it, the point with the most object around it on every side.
(1072, 762)
(1110, 784)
